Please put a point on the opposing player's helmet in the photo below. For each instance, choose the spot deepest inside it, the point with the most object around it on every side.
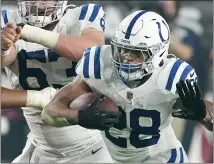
(41, 13)
(140, 45)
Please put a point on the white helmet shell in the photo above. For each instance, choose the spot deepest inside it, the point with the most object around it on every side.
(144, 30)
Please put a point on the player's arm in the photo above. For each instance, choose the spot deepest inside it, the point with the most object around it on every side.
(192, 106)
(19, 98)
(13, 98)
(208, 120)
(73, 47)
(58, 113)
(66, 45)
(9, 35)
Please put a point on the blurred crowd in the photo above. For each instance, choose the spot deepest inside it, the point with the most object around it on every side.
(191, 24)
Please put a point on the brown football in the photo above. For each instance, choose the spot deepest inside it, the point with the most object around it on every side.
(84, 100)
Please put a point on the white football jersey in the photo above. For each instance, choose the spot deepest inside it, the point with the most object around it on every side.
(144, 129)
(37, 67)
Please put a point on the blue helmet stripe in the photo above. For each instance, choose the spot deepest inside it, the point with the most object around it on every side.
(131, 25)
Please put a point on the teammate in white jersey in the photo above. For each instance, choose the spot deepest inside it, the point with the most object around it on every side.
(139, 75)
(42, 52)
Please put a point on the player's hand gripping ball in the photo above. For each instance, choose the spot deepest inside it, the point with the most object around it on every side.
(95, 111)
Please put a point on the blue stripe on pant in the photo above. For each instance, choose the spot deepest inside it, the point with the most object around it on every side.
(176, 153)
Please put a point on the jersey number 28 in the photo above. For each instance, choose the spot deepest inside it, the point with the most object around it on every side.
(137, 129)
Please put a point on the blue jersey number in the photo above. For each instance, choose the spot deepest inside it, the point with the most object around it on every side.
(102, 22)
(137, 129)
(41, 77)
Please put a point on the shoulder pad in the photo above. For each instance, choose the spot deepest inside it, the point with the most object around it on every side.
(174, 71)
(94, 61)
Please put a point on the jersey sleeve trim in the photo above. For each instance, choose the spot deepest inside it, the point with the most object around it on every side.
(180, 71)
(94, 13)
(97, 74)
(83, 12)
(172, 74)
(86, 63)
(186, 71)
(91, 63)
(87, 10)
(4, 15)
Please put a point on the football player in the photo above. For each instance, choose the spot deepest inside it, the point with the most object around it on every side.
(40, 44)
(139, 75)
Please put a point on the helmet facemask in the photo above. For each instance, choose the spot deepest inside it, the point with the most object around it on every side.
(131, 63)
(41, 13)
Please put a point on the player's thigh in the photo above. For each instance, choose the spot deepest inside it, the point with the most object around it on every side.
(96, 154)
(25, 156)
(176, 155)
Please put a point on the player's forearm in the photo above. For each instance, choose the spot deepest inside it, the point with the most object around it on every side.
(68, 46)
(59, 107)
(8, 57)
(57, 111)
(73, 47)
(207, 121)
(13, 98)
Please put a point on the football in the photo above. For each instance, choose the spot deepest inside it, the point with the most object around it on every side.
(84, 100)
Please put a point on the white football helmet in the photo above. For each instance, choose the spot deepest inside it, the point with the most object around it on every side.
(40, 13)
(140, 45)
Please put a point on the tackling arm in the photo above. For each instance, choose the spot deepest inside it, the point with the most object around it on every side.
(19, 98)
(68, 46)
(12, 98)
(208, 120)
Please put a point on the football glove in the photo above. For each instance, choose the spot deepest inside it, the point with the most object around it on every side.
(93, 117)
(191, 104)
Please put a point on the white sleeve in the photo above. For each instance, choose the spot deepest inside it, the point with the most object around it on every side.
(92, 15)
